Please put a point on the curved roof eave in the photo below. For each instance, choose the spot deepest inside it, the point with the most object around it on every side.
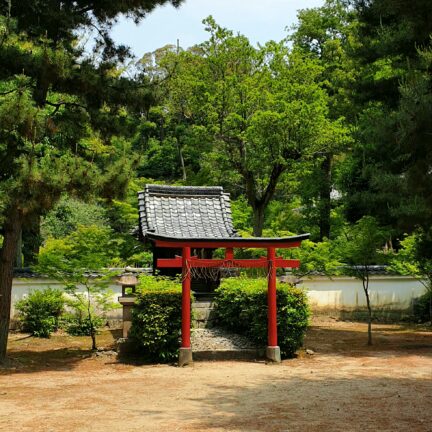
(257, 242)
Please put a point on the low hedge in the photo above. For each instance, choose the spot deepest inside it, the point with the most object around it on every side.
(39, 312)
(156, 318)
(241, 306)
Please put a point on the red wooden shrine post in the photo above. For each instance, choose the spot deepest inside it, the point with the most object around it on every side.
(273, 350)
(271, 262)
(185, 355)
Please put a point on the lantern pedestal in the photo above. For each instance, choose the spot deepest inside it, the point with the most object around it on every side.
(128, 304)
(127, 300)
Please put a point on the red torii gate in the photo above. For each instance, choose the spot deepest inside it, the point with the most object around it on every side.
(186, 261)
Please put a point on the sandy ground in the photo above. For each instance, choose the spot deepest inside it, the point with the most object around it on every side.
(57, 385)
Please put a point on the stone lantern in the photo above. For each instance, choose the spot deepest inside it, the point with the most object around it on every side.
(127, 300)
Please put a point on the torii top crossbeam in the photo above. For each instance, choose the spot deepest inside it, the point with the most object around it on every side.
(185, 217)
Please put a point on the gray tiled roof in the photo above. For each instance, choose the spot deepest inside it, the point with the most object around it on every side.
(185, 212)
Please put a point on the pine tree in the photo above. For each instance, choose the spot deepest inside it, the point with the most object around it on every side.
(61, 112)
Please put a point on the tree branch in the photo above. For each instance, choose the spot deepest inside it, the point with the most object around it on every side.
(14, 90)
(85, 9)
(60, 104)
(8, 92)
(277, 170)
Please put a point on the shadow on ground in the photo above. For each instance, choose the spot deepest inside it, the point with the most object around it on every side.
(317, 404)
(351, 339)
(63, 359)
(61, 352)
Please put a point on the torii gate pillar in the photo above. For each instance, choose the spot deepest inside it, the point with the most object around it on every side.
(273, 351)
(185, 354)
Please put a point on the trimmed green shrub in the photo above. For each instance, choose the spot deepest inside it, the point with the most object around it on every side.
(78, 325)
(241, 306)
(156, 318)
(39, 312)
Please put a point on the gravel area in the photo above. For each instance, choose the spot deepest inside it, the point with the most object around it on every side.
(218, 339)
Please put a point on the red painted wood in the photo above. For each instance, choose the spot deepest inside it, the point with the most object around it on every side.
(228, 263)
(186, 288)
(227, 244)
(291, 263)
(271, 299)
(169, 262)
(234, 263)
(229, 253)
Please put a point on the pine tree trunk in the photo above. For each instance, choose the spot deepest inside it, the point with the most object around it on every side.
(19, 254)
(31, 240)
(12, 228)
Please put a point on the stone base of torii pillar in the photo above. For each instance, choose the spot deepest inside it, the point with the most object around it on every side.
(185, 357)
(273, 354)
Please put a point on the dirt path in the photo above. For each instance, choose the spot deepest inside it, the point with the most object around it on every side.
(342, 387)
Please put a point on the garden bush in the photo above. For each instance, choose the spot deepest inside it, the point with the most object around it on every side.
(241, 306)
(39, 312)
(156, 318)
(78, 325)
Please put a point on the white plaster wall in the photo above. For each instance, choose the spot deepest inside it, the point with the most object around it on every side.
(346, 293)
(336, 294)
(22, 287)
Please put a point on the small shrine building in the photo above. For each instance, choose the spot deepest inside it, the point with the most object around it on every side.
(184, 225)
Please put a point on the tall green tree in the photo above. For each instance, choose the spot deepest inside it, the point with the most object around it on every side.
(172, 139)
(60, 112)
(263, 108)
(388, 172)
(326, 35)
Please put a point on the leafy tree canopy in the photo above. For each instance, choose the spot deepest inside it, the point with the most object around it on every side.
(262, 109)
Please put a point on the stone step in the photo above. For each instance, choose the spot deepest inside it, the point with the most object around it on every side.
(218, 338)
(204, 304)
(219, 344)
(202, 314)
(203, 324)
(203, 296)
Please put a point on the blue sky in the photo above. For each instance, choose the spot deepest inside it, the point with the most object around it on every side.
(259, 20)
